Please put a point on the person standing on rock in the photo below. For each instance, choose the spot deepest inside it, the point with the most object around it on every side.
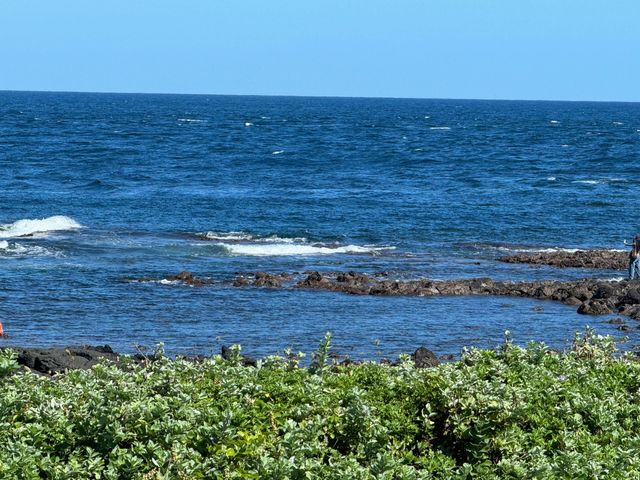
(634, 259)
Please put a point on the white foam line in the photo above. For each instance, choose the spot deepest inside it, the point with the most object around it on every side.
(288, 249)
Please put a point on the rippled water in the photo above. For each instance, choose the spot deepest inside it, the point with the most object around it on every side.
(116, 187)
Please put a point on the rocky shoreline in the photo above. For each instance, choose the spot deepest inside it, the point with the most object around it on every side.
(592, 297)
(594, 259)
(58, 360)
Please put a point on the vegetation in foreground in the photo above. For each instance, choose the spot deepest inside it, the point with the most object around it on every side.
(506, 413)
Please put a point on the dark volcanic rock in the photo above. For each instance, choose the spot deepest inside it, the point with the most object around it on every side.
(314, 280)
(240, 281)
(595, 307)
(57, 360)
(631, 297)
(424, 358)
(189, 279)
(615, 321)
(263, 279)
(601, 259)
(594, 297)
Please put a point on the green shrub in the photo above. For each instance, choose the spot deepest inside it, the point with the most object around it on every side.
(8, 363)
(506, 413)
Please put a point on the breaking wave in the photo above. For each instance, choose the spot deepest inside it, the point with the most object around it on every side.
(242, 243)
(289, 249)
(31, 227)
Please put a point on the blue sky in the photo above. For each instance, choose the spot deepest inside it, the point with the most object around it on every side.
(510, 49)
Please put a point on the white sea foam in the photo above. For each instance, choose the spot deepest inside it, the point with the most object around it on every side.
(248, 124)
(30, 227)
(439, 128)
(526, 249)
(552, 179)
(190, 120)
(246, 237)
(554, 250)
(237, 236)
(589, 182)
(277, 152)
(537, 250)
(19, 250)
(564, 145)
(618, 123)
(290, 249)
(554, 121)
(427, 116)
(615, 279)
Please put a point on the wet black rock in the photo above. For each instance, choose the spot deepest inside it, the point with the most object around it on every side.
(262, 279)
(615, 321)
(240, 281)
(424, 358)
(595, 307)
(189, 278)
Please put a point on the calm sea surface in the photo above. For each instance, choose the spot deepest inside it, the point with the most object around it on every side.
(118, 187)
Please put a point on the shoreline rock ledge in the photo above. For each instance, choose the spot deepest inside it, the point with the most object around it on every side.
(593, 297)
(595, 259)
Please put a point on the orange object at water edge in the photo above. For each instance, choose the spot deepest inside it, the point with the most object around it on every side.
(1, 330)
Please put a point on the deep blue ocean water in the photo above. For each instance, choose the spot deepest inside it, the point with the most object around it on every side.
(418, 188)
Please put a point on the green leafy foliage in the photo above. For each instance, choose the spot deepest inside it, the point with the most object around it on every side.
(8, 363)
(506, 413)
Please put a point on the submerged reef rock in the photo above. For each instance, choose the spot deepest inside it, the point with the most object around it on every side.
(600, 259)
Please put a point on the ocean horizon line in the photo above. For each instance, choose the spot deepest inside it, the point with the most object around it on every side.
(345, 97)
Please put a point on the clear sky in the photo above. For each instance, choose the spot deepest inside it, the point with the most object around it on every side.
(510, 49)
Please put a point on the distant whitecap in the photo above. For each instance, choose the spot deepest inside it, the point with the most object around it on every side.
(277, 152)
(190, 120)
(589, 182)
(554, 121)
(248, 124)
(439, 128)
